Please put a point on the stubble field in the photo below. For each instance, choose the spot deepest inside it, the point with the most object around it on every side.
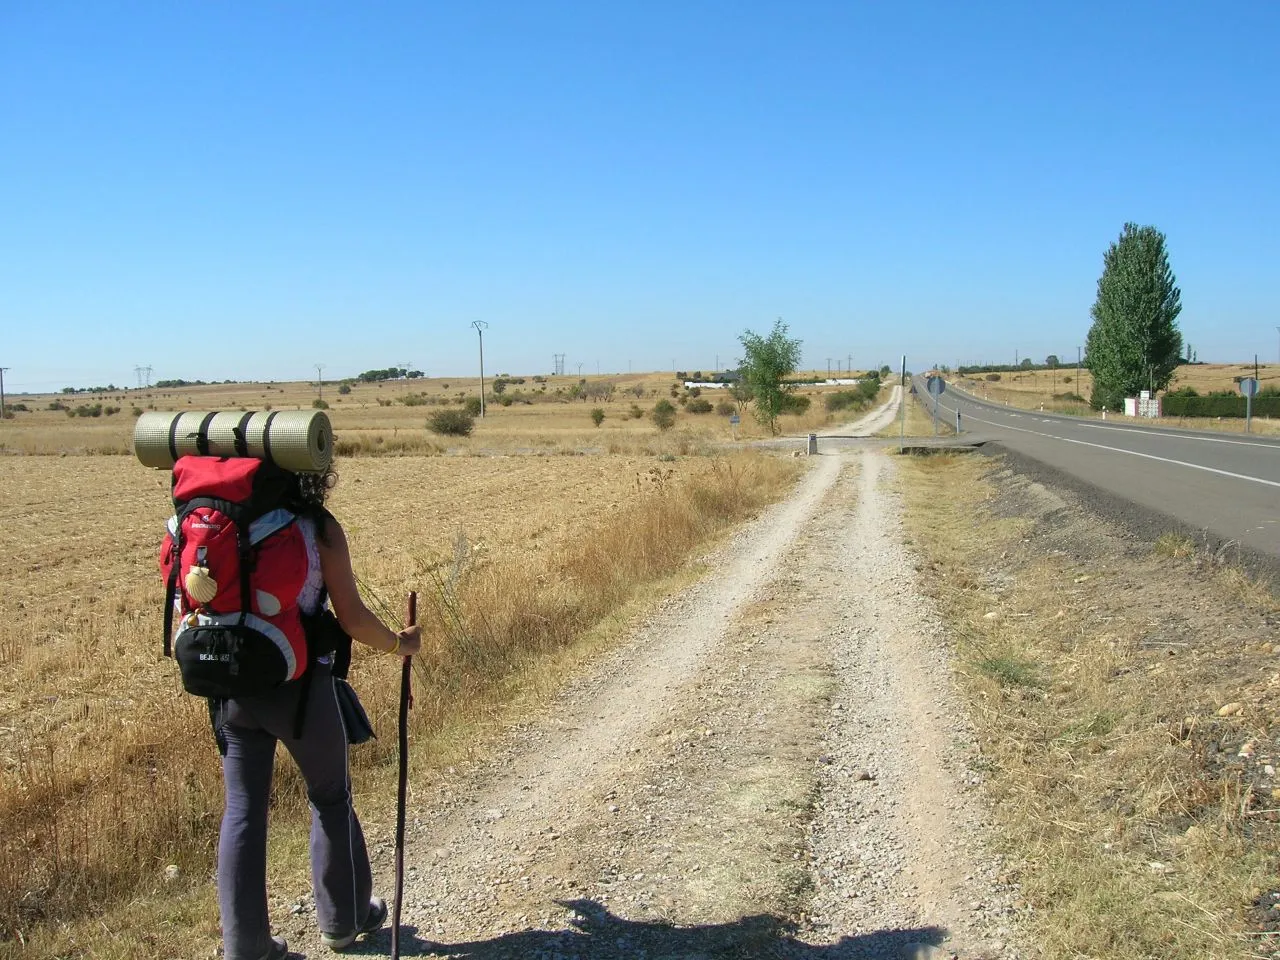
(109, 783)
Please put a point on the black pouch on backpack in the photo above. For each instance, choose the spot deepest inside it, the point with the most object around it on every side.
(228, 660)
(354, 720)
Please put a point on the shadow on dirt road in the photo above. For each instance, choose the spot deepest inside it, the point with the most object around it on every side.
(599, 935)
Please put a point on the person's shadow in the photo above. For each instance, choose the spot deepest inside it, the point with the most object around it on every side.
(598, 934)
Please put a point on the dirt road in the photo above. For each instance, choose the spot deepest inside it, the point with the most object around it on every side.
(773, 765)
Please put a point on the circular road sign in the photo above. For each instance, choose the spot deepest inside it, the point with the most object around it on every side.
(1249, 387)
(935, 385)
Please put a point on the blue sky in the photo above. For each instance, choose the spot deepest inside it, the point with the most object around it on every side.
(240, 191)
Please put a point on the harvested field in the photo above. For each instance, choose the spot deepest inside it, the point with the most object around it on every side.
(101, 751)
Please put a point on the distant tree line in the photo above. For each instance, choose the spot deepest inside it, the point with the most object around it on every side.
(390, 373)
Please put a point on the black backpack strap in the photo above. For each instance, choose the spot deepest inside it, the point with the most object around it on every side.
(304, 692)
(217, 708)
(241, 433)
(246, 557)
(202, 434)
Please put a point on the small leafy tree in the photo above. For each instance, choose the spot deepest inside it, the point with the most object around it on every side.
(472, 406)
(597, 416)
(663, 414)
(1134, 342)
(452, 422)
(769, 360)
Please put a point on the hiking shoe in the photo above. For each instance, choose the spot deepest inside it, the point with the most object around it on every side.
(377, 917)
(278, 950)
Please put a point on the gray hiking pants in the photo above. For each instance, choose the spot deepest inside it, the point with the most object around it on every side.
(340, 875)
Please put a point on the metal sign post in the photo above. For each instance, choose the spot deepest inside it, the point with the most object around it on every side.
(902, 406)
(1248, 386)
(935, 385)
(734, 420)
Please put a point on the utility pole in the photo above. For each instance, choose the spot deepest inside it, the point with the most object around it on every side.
(319, 381)
(1077, 389)
(138, 373)
(1278, 334)
(2, 370)
(849, 368)
(148, 372)
(828, 368)
(481, 326)
(579, 369)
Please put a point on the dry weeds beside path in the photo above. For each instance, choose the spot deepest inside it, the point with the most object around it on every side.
(773, 765)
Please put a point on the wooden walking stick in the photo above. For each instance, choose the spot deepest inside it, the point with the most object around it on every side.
(406, 701)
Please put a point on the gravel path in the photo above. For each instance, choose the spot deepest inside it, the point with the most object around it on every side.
(773, 765)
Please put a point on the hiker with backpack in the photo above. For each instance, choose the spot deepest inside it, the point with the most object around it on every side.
(253, 562)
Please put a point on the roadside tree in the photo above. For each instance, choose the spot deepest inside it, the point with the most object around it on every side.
(1134, 343)
(769, 360)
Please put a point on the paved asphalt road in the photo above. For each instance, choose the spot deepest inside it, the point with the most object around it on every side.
(1226, 484)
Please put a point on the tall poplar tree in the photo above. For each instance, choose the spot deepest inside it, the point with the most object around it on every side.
(1134, 343)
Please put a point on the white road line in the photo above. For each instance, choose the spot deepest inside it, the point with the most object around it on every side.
(1163, 433)
(1133, 453)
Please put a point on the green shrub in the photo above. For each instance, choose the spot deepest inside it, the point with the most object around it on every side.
(636, 412)
(413, 400)
(725, 409)
(453, 423)
(794, 403)
(597, 416)
(844, 400)
(344, 389)
(17, 408)
(1219, 404)
(319, 404)
(699, 405)
(56, 405)
(472, 406)
(663, 414)
(993, 377)
(136, 411)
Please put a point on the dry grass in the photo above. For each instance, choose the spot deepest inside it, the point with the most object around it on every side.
(919, 421)
(108, 772)
(1097, 679)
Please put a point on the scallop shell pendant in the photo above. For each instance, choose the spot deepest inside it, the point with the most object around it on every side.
(200, 586)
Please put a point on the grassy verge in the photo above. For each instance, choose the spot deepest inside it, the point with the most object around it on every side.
(106, 844)
(919, 421)
(1127, 702)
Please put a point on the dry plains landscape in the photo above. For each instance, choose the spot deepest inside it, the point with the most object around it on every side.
(523, 551)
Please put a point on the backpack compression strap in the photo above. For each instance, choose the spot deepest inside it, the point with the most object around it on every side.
(171, 594)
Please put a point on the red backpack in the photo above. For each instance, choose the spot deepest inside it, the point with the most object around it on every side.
(234, 561)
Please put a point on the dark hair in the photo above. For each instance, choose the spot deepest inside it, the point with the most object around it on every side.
(308, 494)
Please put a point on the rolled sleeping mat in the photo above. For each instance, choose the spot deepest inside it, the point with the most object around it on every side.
(298, 440)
